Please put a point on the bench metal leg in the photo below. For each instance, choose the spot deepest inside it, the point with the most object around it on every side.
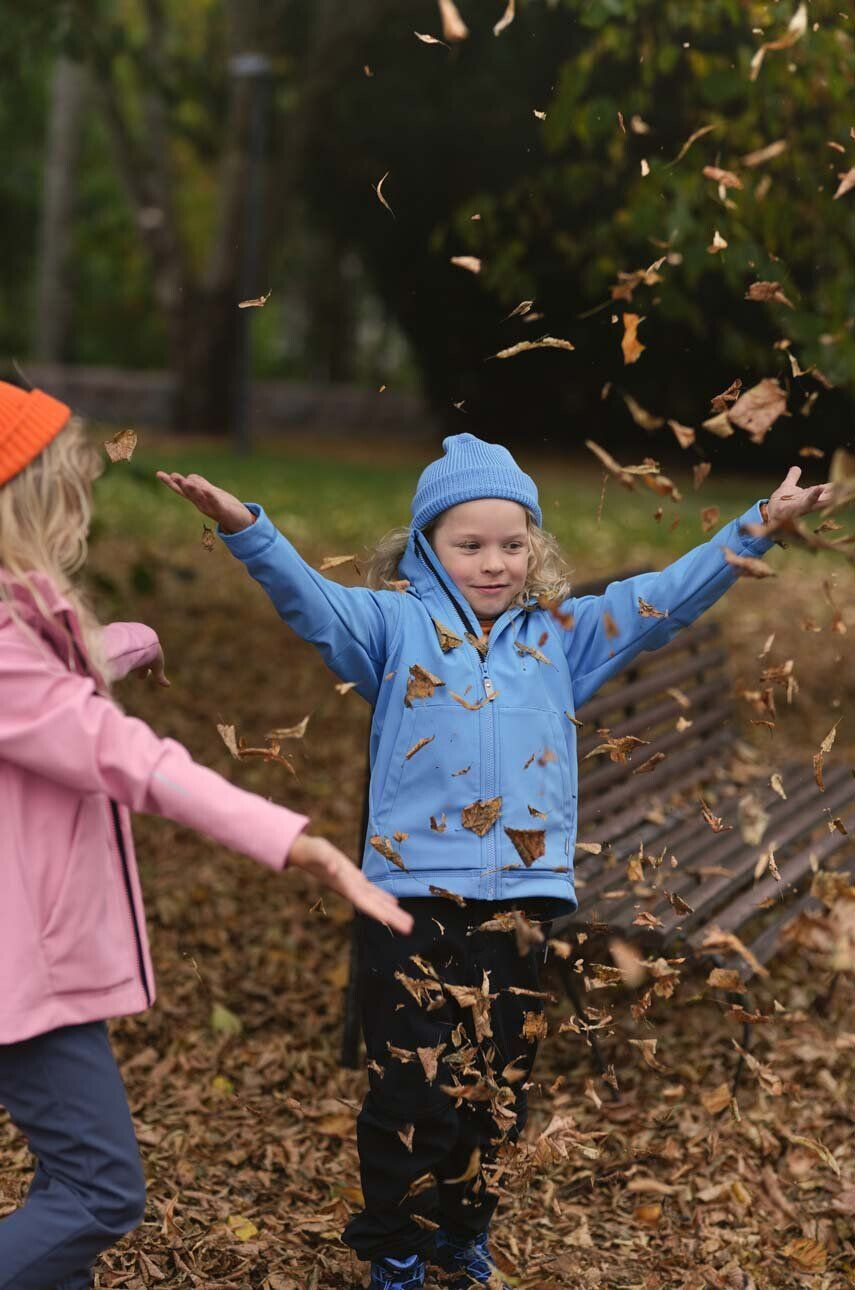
(747, 1031)
(569, 982)
(350, 1034)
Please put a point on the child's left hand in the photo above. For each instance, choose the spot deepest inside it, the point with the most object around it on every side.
(156, 670)
(789, 501)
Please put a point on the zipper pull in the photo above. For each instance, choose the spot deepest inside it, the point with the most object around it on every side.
(488, 684)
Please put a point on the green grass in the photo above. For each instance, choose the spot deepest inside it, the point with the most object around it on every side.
(327, 501)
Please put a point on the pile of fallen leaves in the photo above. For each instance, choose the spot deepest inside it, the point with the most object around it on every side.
(247, 1122)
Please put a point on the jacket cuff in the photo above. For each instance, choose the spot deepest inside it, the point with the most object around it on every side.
(255, 538)
(750, 543)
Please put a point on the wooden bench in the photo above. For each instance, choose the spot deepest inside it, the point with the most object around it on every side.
(713, 883)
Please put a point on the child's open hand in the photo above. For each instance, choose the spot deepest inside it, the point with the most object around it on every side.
(789, 501)
(156, 670)
(216, 503)
(333, 869)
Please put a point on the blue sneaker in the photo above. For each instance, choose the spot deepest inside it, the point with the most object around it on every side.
(398, 1274)
(470, 1260)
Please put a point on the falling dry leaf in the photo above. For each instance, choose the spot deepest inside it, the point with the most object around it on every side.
(453, 26)
(448, 639)
(693, 138)
(290, 732)
(530, 844)
(121, 446)
(718, 243)
(630, 344)
(768, 291)
(684, 435)
(208, 541)
(258, 302)
(847, 183)
(481, 816)
(757, 410)
(333, 561)
(422, 743)
(429, 40)
(545, 342)
(421, 684)
(344, 687)
(641, 417)
(385, 847)
(541, 116)
(748, 564)
(378, 188)
(506, 18)
(469, 262)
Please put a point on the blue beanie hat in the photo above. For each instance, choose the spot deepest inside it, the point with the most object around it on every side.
(471, 469)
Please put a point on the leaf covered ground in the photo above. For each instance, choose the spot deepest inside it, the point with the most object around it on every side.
(246, 1120)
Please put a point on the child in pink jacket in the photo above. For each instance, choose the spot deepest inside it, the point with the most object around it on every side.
(73, 947)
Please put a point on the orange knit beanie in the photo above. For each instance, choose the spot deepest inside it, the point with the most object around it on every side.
(28, 422)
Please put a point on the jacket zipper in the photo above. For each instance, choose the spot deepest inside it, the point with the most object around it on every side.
(120, 841)
(490, 717)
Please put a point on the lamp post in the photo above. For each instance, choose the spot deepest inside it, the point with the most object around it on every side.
(251, 71)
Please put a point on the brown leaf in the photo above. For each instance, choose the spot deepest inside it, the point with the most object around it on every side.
(406, 1135)
(631, 346)
(385, 847)
(481, 816)
(474, 707)
(748, 564)
(716, 939)
(453, 26)
(506, 18)
(725, 979)
(767, 291)
(847, 183)
(535, 653)
(429, 1058)
(715, 1099)
(121, 446)
(649, 611)
(545, 342)
(757, 410)
(684, 435)
(724, 177)
(448, 639)
(290, 732)
(641, 417)
(208, 541)
(378, 188)
(429, 40)
(333, 561)
(438, 825)
(530, 844)
(806, 1253)
(447, 895)
(344, 687)
(535, 1027)
(421, 743)
(257, 302)
(469, 262)
(421, 684)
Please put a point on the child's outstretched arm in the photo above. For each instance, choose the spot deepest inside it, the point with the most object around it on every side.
(610, 630)
(351, 626)
(54, 724)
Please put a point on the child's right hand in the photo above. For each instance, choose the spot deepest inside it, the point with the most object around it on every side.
(333, 869)
(216, 503)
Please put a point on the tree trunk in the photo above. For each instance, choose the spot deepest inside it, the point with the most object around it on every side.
(62, 150)
(203, 341)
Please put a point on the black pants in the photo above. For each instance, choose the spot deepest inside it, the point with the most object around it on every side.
(409, 1127)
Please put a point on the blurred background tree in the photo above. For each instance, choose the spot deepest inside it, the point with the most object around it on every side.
(128, 137)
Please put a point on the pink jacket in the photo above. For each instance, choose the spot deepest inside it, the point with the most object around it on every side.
(73, 943)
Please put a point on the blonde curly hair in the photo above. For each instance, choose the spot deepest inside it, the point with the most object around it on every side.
(547, 579)
(45, 511)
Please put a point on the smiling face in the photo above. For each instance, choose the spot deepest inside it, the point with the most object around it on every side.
(484, 545)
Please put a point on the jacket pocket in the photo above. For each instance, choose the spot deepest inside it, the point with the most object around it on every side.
(87, 935)
(536, 778)
(440, 776)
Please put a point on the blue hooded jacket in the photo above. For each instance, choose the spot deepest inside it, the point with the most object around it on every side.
(454, 730)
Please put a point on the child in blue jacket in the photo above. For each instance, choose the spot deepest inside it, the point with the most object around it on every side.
(474, 664)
